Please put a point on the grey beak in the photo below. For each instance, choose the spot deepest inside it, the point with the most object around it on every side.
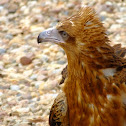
(43, 36)
(50, 35)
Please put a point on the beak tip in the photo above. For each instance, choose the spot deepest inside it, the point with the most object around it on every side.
(38, 40)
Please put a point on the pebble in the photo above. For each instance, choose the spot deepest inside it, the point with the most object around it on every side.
(45, 58)
(22, 124)
(28, 73)
(34, 77)
(61, 62)
(9, 36)
(37, 84)
(22, 110)
(70, 5)
(123, 9)
(12, 8)
(2, 51)
(33, 94)
(1, 8)
(59, 55)
(46, 51)
(41, 77)
(115, 27)
(14, 87)
(1, 93)
(25, 60)
(102, 18)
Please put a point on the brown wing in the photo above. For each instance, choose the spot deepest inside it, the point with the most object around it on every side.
(59, 111)
(64, 75)
(120, 51)
(120, 76)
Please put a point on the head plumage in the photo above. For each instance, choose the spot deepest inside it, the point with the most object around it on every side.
(84, 25)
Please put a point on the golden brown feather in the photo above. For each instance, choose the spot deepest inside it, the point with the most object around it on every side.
(64, 75)
(120, 51)
(95, 87)
(59, 113)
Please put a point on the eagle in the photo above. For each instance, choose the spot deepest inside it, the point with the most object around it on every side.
(94, 91)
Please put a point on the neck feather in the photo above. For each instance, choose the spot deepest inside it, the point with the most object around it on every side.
(88, 91)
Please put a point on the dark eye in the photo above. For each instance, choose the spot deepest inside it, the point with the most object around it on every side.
(64, 35)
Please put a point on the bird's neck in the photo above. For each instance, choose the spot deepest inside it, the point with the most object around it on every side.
(88, 90)
(91, 70)
(83, 88)
(85, 77)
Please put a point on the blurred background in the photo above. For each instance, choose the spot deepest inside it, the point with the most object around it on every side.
(30, 73)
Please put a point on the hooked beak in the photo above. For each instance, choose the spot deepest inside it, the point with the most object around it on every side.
(50, 35)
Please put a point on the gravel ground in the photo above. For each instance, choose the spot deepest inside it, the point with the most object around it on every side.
(30, 73)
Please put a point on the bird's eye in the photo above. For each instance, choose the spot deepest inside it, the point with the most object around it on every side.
(64, 35)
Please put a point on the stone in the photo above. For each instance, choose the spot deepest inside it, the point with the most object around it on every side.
(14, 87)
(9, 36)
(1, 8)
(25, 60)
(33, 77)
(37, 84)
(61, 62)
(45, 58)
(22, 110)
(1, 93)
(2, 51)
(12, 8)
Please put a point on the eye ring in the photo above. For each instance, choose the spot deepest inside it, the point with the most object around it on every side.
(64, 35)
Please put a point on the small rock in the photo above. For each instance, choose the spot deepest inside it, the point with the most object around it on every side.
(33, 94)
(9, 36)
(48, 85)
(114, 27)
(14, 87)
(42, 77)
(27, 37)
(32, 3)
(61, 62)
(37, 18)
(46, 51)
(70, 5)
(1, 8)
(36, 28)
(23, 110)
(15, 31)
(37, 84)
(3, 2)
(2, 51)
(31, 55)
(59, 55)
(25, 60)
(28, 73)
(34, 77)
(102, 18)
(1, 93)
(25, 96)
(56, 71)
(123, 9)
(12, 8)
(22, 124)
(45, 58)
(4, 87)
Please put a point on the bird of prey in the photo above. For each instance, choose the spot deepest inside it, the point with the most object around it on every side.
(94, 91)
